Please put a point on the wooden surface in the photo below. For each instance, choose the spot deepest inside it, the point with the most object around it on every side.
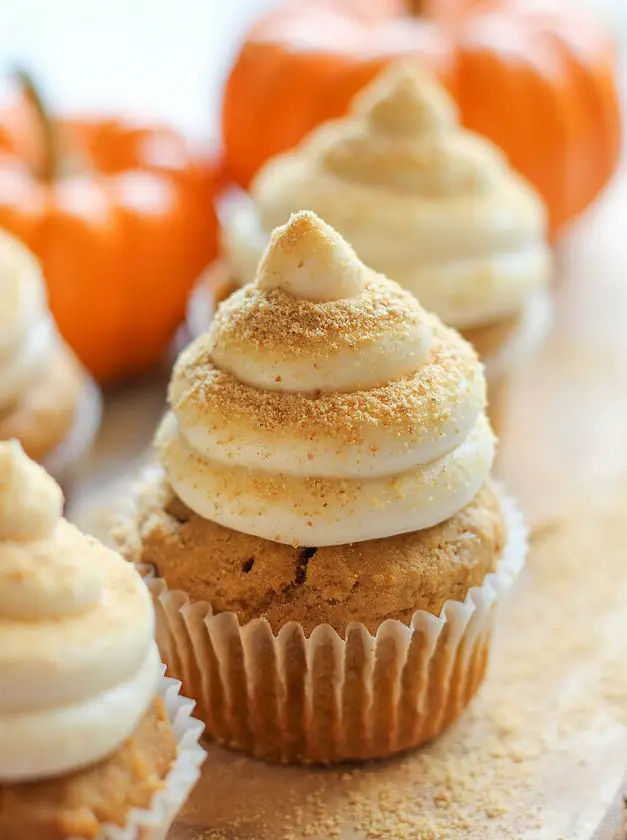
(542, 753)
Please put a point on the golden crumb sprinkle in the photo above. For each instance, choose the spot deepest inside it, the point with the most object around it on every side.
(404, 406)
(274, 321)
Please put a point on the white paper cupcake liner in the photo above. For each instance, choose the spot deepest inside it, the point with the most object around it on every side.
(202, 302)
(536, 323)
(154, 823)
(325, 698)
(237, 216)
(64, 460)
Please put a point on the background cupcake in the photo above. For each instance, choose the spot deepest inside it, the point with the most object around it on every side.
(327, 544)
(429, 204)
(94, 743)
(47, 400)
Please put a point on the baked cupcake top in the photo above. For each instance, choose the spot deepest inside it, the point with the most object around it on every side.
(325, 406)
(431, 205)
(27, 331)
(78, 664)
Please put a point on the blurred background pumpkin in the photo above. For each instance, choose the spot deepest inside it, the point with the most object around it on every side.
(120, 215)
(534, 76)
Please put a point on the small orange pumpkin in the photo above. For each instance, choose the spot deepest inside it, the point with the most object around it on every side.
(536, 78)
(122, 234)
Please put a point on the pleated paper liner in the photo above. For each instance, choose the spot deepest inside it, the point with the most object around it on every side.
(154, 823)
(325, 698)
(215, 285)
(64, 462)
(521, 348)
(537, 320)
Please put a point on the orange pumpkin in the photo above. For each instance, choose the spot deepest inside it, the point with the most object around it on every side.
(536, 78)
(122, 218)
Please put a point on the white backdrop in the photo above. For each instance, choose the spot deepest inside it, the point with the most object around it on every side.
(163, 58)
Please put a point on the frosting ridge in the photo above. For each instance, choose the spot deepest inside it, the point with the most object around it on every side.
(322, 420)
(27, 331)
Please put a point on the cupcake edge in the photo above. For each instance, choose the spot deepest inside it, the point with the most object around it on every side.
(502, 366)
(538, 316)
(282, 697)
(214, 285)
(154, 823)
(62, 462)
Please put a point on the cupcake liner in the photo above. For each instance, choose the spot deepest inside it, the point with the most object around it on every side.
(501, 367)
(154, 823)
(214, 285)
(537, 321)
(325, 698)
(201, 306)
(63, 461)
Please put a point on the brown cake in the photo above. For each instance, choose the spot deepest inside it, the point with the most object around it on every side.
(79, 804)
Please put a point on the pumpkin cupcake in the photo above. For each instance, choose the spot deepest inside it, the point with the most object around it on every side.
(94, 741)
(323, 541)
(47, 400)
(430, 205)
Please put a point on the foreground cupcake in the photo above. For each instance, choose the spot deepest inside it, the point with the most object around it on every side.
(427, 203)
(326, 546)
(47, 400)
(94, 742)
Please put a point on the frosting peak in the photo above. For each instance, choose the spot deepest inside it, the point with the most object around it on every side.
(37, 579)
(420, 199)
(78, 663)
(319, 422)
(405, 133)
(30, 500)
(405, 100)
(307, 259)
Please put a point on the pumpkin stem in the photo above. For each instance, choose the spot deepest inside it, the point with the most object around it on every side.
(48, 166)
(417, 8)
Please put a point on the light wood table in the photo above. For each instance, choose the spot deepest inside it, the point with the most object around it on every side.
(542, 752)
(568, 414)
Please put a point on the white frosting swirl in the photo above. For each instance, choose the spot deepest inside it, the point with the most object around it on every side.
(78, 664)
(429, 204)
(27, 331)
(324, 406)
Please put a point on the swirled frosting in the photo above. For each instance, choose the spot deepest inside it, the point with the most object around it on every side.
(429, 204)
(325, 406)
(78, 664)
(26, 328)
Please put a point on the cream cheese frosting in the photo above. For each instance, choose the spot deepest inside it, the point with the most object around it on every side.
(27, 332)
(78, 664)
(325, 406)
(427, 203)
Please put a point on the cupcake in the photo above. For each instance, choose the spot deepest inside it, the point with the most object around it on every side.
(94, 741)
(322, 538)
(47, 400)
(434, 207)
